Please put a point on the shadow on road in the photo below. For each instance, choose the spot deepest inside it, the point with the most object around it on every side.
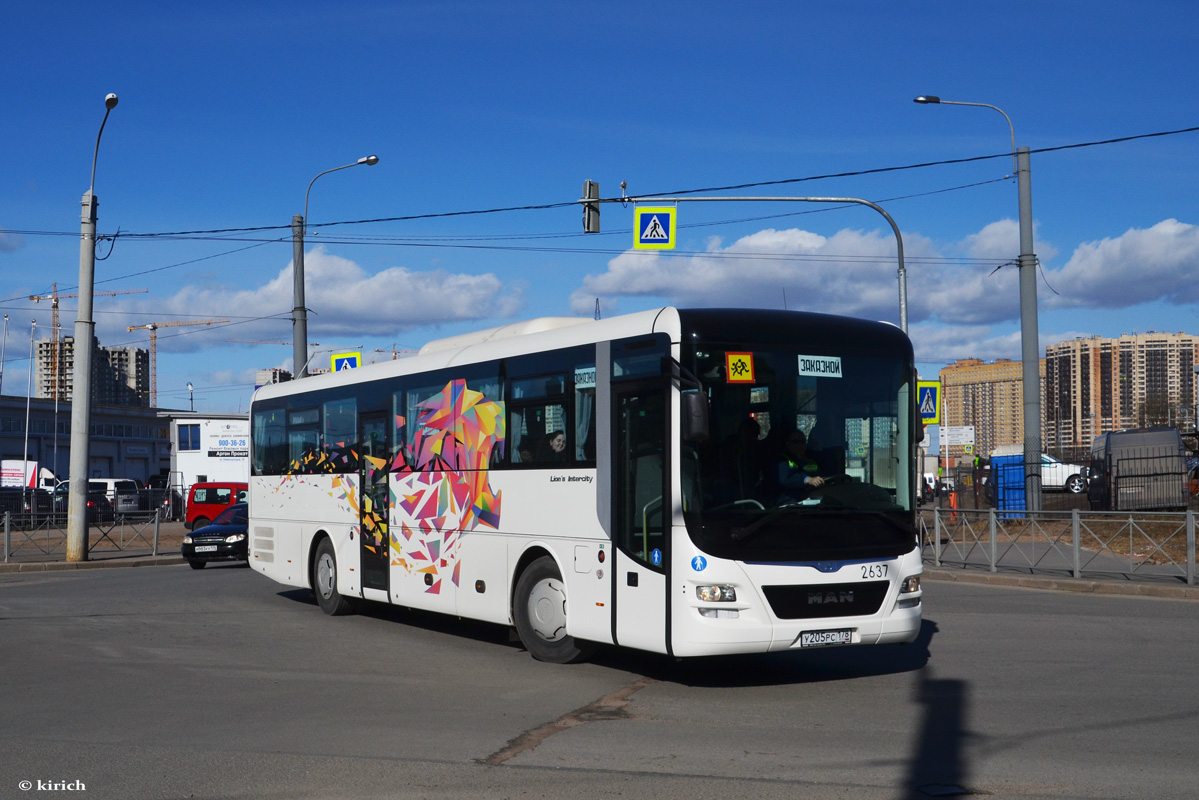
(759, 669)
(774, 669)
(938, 767)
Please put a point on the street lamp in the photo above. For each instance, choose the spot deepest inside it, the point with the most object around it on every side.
(1029, 336)
(300, 311)
(191, 396)
(81, 396)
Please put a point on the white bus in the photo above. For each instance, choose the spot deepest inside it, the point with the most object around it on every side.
(619, 481)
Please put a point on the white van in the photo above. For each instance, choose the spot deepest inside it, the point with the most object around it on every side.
(1055, 474)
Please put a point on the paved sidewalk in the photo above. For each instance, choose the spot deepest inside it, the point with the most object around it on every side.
(1128, 588)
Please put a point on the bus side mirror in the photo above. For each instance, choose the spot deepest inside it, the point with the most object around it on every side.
(694, 420)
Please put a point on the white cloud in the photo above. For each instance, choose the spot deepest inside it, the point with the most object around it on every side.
(343, 301)
(851, 272)
(1141, 266)
(854, 273)
(1001, 241)
(948, 343)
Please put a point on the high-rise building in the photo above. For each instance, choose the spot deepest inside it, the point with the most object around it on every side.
(988, 396)
(272, 375)
(1095, 384)
(1088, 386)
(120, 375)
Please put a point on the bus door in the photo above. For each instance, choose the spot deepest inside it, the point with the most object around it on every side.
(641, 513)
(375, 504)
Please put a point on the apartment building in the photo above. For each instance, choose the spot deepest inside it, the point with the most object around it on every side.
(988, 396)
(1096, 384)
(120, 375)
(1089, 386)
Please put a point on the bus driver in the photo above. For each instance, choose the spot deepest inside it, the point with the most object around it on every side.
(797, 472)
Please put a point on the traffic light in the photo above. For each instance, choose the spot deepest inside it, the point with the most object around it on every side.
(591, 211)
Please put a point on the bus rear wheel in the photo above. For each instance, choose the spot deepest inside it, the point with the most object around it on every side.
(324, 581)
(539, 609)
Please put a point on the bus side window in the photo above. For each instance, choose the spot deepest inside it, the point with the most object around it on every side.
(302, 445)
(584, 414)
(270, 442)
(339, 432)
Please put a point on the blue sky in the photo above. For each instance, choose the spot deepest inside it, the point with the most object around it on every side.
(228, 110)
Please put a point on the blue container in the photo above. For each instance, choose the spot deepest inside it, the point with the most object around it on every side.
(1008, 474)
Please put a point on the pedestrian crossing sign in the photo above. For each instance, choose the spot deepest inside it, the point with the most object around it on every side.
(346, 361)
(928, 395)
(655, 228)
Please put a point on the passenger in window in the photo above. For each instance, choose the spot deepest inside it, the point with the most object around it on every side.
(553, 450)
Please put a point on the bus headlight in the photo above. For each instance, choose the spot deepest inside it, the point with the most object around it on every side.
(910, 585)
(716, 594)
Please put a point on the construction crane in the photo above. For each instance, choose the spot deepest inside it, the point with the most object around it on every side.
(394, 352)
(54, 297)
(153, 327)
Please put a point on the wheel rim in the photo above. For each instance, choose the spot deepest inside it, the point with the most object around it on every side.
(547, 610)
(325, 575)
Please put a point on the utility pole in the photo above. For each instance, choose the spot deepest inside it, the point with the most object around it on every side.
(299, 312)
(1030, 349)
(81, 399)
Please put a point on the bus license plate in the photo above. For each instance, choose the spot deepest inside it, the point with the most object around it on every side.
(825, 638)
(206, 548)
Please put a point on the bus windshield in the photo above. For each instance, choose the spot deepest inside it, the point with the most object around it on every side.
(809, 448)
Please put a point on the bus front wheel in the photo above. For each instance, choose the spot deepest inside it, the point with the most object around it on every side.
(539, 609)
(324, 581)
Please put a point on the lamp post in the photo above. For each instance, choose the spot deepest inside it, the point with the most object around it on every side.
(299, 319)
(81, 396)
(191, 396)
(1029, 336)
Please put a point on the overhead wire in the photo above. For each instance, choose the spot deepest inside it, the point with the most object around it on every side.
(202, 235)
(722, 188)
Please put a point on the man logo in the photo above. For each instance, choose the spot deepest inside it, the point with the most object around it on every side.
(829, 598)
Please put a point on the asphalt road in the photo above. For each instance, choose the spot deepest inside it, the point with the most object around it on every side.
(168, 683)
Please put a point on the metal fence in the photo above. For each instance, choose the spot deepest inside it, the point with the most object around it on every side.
(33, 534)
(1144, 483)
(1139, 546)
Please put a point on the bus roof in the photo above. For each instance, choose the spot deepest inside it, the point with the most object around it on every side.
(502, 332)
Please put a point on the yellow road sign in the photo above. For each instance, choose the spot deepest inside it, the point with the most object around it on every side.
(928, 395)
(654, 228)
(342, 361)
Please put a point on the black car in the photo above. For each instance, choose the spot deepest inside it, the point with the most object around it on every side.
(24, 501)
(223, 540)
(99, 507)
